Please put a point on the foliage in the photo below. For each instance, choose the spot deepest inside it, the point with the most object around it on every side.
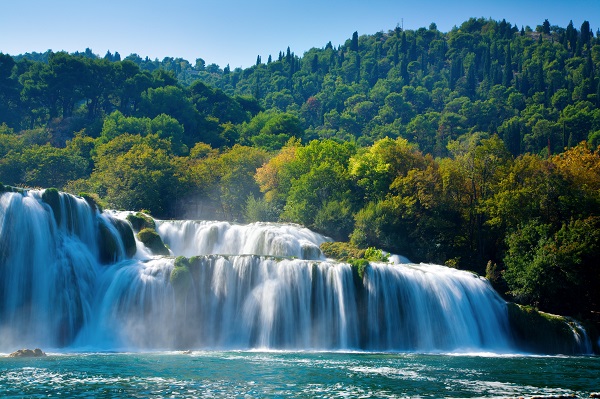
(134, 172)
(542, 264)
(376, 255)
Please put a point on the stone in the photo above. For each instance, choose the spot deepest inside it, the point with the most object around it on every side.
(37, 352)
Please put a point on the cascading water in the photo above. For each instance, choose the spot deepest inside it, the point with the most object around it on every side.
(70, 276)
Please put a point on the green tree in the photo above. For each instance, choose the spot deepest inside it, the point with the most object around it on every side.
(134, 172)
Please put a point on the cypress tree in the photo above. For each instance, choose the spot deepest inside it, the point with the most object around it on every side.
(508, 71)
(586, 34)
(546, 27)
(404, 71)
(314, 65)
(471, 83)
(354, 42)
(288, 56)
(598, 94)
(539, 77)
(571, 36)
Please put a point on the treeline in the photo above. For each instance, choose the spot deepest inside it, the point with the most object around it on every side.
(476, 148)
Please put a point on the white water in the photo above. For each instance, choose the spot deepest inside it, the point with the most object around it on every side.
(255, 286)
(191, 238)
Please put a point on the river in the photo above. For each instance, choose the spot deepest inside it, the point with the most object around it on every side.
(256, 374)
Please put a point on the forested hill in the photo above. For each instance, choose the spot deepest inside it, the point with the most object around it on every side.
(530, 87)
(477, 148)
(537, 90)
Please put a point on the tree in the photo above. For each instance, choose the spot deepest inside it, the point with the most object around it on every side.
(9, 92)
(354, 42)
(134, 172)
(236, 170)
(375, 169)
(555, 270)
(546, 27)
(318, 175)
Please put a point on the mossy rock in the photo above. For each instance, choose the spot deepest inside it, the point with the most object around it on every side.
(51, 196)
(107, 243)
(341, 251)
(540, 332)
(358, 267)
(152, 241)
(10, 189)
(127, 236)
(92, 201)
(181, 277)
(140, 221)
(182, 261)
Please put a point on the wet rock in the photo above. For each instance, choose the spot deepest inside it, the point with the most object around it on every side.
(37, 352)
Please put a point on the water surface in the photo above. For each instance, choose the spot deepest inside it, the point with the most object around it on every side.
(297, 374)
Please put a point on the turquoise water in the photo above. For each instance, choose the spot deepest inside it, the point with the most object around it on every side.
(296, 374)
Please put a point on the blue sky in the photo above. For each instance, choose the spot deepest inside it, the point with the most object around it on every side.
(235, 32)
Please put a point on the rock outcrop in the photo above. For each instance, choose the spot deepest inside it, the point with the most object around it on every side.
(37, 352)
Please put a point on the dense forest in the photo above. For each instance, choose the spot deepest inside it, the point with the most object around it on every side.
(477, 148)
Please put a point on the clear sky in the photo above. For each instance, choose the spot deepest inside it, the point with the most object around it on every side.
(234, 32)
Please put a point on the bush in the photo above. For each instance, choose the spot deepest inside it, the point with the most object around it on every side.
(376, 255)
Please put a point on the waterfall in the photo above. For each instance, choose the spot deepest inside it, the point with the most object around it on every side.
(49, 262)
(70, 276)
(190, 238)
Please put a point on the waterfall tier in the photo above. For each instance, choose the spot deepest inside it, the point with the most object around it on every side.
(70, 276)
